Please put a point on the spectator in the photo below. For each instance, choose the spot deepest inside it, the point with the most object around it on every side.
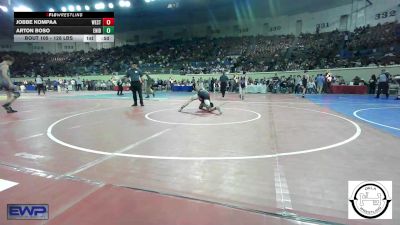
(79, 84)
(356, 80)
(320, 83)
(311, 88)
(372, 84)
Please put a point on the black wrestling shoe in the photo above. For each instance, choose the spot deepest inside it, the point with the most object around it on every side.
(134, 105)
(141, 104)
(10, 110)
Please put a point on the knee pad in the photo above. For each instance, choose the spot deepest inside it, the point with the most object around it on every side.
(16, 94)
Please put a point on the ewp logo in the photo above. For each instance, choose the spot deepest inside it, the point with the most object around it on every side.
(27, 211)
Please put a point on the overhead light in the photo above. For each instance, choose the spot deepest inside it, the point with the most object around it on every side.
(124, 3)
(22, 8)
(87, 8)
(51, 10)
(63, 9)
(110, 5)
(3, 8)
(71, 8)
(99, 5)
(78, 8)
(172, 5)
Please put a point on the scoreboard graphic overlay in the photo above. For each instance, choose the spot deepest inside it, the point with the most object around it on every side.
(64, 27)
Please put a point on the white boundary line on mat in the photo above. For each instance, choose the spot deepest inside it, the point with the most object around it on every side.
(355, 113)
(258, 116)
(94, 151)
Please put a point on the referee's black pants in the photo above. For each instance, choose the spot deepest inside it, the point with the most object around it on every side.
(223, 88)
(40, 87)
(383, 87)
(136, 86)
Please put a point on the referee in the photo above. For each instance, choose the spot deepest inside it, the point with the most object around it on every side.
(224, 82)
(383, 85)
(135, 74)
(39, 85)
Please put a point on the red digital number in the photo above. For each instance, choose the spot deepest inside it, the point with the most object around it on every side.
(108, 21)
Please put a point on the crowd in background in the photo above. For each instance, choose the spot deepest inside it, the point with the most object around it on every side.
(316, 83)
(73, 84)
(366, 46)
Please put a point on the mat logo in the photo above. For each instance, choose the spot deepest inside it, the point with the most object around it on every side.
(27, 211)
(370, 200)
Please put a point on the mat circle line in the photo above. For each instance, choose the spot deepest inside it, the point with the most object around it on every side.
(355, 113)
(352, 138)
(258, 116)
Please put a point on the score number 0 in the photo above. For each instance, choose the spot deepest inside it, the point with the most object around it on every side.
(108, 21)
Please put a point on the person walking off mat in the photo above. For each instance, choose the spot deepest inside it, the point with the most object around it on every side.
(149, 86)
(120, 87)
(304, 82)
(6, 83)
(242, 85)
(135, 74)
